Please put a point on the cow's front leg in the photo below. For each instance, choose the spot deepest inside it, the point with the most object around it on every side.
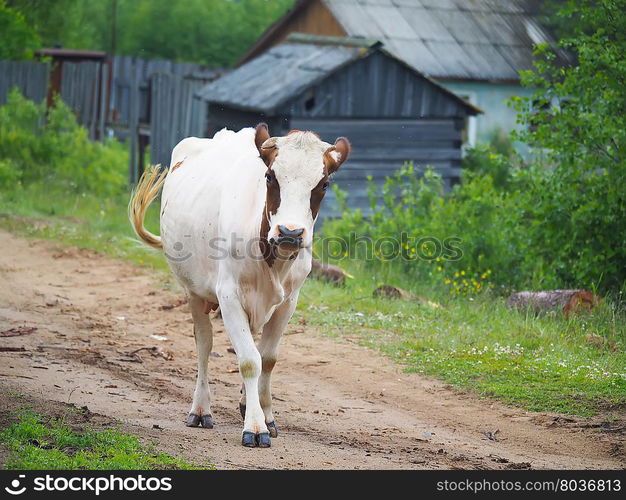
(272, 333)
(200, 413)
(255, 431)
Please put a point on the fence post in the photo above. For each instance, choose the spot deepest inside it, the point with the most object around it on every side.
(133, 125)
(104, 78)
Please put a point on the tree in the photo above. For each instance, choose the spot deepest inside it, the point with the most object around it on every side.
(576, 118)
(17, 39)
(76, 24)
(209, 32)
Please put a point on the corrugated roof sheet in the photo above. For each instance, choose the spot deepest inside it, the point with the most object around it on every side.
(280, 73)
(287, 70)
(460, 39)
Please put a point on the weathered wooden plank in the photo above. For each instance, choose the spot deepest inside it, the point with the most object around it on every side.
(31, 78)
(134, 126)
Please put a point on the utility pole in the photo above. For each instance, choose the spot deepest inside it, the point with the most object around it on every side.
(113, 25)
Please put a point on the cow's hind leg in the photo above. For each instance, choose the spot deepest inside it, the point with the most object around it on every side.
(200, 413)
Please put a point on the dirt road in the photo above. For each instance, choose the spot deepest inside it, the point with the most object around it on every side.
(338, 405)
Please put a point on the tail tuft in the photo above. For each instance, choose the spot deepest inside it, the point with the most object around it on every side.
(144, 193)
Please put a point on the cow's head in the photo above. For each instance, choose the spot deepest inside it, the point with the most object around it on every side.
(297, 177)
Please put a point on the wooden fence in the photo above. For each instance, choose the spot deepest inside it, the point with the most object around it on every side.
(31, 78)
(142, 101)
(83, 89)
(175, 114)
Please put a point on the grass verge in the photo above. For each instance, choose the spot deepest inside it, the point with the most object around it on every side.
(573, 365)
(36, 441)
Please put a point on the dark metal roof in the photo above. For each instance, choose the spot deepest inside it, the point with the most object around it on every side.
(287, 70)
(445, 39)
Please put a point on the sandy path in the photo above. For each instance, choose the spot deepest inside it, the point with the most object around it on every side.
(338, 405)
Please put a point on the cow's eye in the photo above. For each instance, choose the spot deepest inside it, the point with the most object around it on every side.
(269, 178)
(325, 186)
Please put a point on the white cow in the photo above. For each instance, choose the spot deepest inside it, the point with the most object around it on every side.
(237, 216)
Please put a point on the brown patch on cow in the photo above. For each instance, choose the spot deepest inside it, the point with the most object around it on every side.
(331, 165)
(272, 202)
(176, 165)
(268, 153)
(267, 148)
(341, 146)
(317, 194)
(210, 306)
(248, 369)
(261, 135)
(267, 364)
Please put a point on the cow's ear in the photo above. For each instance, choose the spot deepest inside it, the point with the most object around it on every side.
(262, 134)
(265, 144)
(337, 154)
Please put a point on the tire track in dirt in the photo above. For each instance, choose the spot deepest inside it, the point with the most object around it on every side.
(338, 405)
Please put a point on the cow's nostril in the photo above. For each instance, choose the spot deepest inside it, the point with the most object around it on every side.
(290, 233)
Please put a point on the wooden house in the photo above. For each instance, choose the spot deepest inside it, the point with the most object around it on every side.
(346, 87)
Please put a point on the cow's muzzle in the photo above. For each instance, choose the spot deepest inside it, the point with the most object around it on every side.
(289, 238)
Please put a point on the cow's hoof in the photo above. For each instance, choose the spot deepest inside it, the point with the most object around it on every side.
(193, 420)
(248, 439)
(263, 440)
(242, 410)
(272, 428)
(252, 440)
(206, 421)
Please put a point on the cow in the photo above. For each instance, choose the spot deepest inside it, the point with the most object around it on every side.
(236, 227)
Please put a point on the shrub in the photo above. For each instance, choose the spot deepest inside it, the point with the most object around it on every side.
(559, 221)
(538, 232)
(55, 150)
(18, 40)
(455, 241)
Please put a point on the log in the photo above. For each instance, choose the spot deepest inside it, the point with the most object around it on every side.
(394, 292)
(329, 273)
(568, 301)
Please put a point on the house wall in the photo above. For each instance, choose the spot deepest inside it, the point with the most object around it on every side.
(389, 113)
(377, 86)
(381, 146)
(498, 117)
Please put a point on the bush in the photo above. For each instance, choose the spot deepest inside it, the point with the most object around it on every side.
(542, 228)
(557, 222)
(18, 40)
(55, 150)
(453, 242)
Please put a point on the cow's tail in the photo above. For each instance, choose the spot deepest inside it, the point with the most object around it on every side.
(144, 193)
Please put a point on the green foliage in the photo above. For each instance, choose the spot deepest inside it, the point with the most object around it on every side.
(37, 442)
(530, 227)
(482, 160)
(557, 222)
(55, 151)
(209, 32)
(18, 40)
(453, 242)
(576, 120)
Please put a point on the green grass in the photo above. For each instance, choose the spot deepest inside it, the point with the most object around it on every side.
(572, 365)
(41, 442)
(82, 220)
(549, 362)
